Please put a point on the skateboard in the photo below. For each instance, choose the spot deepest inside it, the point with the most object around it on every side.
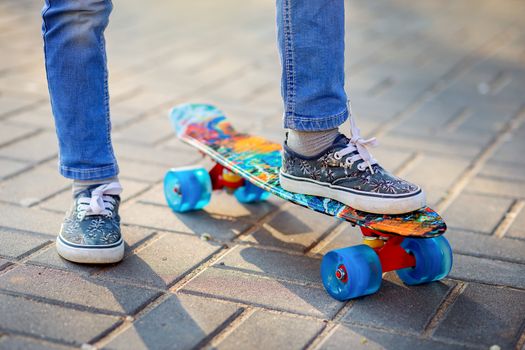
(248, 166)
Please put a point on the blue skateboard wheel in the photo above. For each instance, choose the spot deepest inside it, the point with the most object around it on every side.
(351, 272)
(433, 260)
(249, 193)
(187, 189)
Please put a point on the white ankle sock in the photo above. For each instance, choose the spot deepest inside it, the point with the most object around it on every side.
(309, 143)
(81, 185)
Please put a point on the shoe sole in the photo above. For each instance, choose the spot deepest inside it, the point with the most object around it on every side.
(370, 204)
(90, 255)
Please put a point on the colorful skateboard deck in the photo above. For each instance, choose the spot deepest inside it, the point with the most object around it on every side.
(258, 161)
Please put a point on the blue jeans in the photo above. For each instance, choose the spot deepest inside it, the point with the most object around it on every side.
(311, 44)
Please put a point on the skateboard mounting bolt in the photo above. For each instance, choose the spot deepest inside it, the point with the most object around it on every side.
(340, 273)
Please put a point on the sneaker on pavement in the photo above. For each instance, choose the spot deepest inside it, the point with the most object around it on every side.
(348, 173)
(90, 232)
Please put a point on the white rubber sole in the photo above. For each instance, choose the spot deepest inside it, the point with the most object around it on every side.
(90, 255)
(370, 204)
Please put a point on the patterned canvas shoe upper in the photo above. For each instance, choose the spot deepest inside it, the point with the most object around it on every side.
(348, 166)
(93, 221)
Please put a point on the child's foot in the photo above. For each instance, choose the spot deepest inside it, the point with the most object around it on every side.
(345, 171)
(90, 232)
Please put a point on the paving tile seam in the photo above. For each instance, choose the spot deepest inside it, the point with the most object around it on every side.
(501, 178)
(315, 251)
(492, 195)
(198, 269)
(520, 344)
(485, 283)
(269, 248)
(130, 320)
(63, 304)
(442, 310)
(508, 218)
(255, 306)
(324, 333)
(231, 320)
(488, 257)
(268, 276)
(458, 118)
(409, 164)
(20, 261)
(26, 136)
(15, 332)
(25, 108)
(475, 166)
(213, 342)
(38, 340)
(485, 50)
(30, 165)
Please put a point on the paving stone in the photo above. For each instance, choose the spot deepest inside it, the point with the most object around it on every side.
(25, 316)
(294, 228)
(21, 343)
(67, 287)
(16, 190)
(471, 268)
(180, 322)
(354, 337)
(33, 149)
(148, 131)
(30, 219)
(476, 212)
(264, 330)
(246, 288)
(139, 171)
(271, 263)
(485, 315)
(156, 155)
(8, 133)
(198, 222)
(438, 145)
(164, 261)
(511, 150)
(413, 306)
(347, 236)
(48, 257)
(10, 167)
(39, 117)
(436, 171)
(475, 244)
(513, 189)
(504, 170)
(11, 103)
(17, 243)
(391, 159)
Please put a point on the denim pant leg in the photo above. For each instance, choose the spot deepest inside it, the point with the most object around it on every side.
(311, 46)
(75, 59)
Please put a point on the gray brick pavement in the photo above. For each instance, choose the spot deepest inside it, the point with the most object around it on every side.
(440, 84)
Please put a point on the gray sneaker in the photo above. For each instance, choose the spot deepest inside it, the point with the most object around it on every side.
(347, 172)
(90, 232)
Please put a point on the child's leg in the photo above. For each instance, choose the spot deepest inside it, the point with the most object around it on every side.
(317, 159)
(311, 43)
(75, 58)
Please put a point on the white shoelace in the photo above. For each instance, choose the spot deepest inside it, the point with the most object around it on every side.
(100, 202)
(359, 144)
